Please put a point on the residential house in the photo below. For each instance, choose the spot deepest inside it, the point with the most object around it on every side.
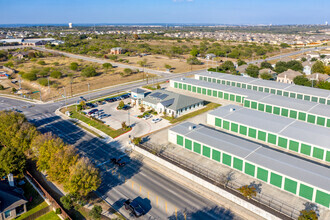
(20, 55)
(173, 104)
(116, 50)
(318, 77)
(210, 56)
(308, 67)
(288, 76)
(268, 71)
(241, 68)
(12, 202)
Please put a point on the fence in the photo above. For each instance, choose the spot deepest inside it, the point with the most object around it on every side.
(49, 197)
(39, 213)
(223, 181)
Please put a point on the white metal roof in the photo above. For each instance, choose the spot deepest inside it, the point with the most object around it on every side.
(280, 162)
(286, 127)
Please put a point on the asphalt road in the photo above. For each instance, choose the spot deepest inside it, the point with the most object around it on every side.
(161, 197)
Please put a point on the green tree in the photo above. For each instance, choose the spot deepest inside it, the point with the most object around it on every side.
(308, 215)
(143, 62)
(158, 86)
(280, 67)
(83, 178)
(31, 55)
(67, 201)
(228, 66)
(302, 80)
(12, 161)
(56, 74)
(43, 81)
(318, 67)
(113, 57)
(96, 212)
(89, 72)
(136, 140)
(248, 191)
(193, 61)
(74, 66)
(128, 71)
(2, 87)
(252, 70)
(324, 85)
(295, 65)
(303, 59)
(107, 65)
(121, 104)
(194, 52)
(30, 76)
(284, 45)
(241, 62)
(266, 76)
(168, 67)
(41, 62)
(123, 125)
(266, 65)
(314, 59)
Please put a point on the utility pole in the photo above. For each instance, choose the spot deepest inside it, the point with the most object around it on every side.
(48, 84)
(71, 87)
(88, 90)
(19, 81)
(147, 78)
(65, 96)
(129, 123)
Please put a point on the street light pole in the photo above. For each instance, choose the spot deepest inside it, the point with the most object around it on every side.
(88, 90)
(65, 96)
(129, 123)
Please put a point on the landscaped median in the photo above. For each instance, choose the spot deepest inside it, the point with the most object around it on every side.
(95, 123)
(207, 107)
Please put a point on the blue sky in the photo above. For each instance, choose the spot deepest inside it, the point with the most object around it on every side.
(165, 11)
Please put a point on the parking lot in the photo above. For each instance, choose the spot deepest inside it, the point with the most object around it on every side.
(115, 117)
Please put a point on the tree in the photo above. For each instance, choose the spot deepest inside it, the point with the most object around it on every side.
(43, 81)
(2, 87)
(228, 66)
(302, 80)
(266, 65)
(303, 59)
(295, 65)
(143, 62)
(56, 74)
(107, 65)
(324, 85)
(67, 201)
(128, 71)
(142, 109)
(88, 72)
(158, 86)
(12, 161)
(167, 66)
(113, 57)
(121, 104)
(31, 55)
(136, 140)
(322, 56)
(241, 62)
(30, 76)
(41, 62)
(96, 212)
(74, 66)
(280, 67)
(284, 45)
(193, 61)
(83, 178)
(314, 59)
(123, 125)
(318, 67)
(194, 52)
(308, 215)
(252, 70)
(266, 76)
(248, 191)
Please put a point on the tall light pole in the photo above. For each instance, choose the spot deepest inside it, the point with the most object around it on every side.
(65, 96)
(88, 90)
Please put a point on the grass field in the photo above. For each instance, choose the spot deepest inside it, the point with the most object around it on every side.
(208, 107)
(98, 125)
(49, 216)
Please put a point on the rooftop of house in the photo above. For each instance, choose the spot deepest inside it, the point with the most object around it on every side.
(289, 74)
(9, 197)
(171, 100)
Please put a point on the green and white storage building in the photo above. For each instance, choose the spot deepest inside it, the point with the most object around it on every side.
(296, 136)
(302, 110)
(283, 89)
(286, 172)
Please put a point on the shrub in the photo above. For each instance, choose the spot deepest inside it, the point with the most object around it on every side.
(74, 66)
(56, 63)
(128, 71)
(14, 90)
(194, 61)
(121, 104)
(31, 55)
(66, 201)
(107, 65)
(136, 140)
(43, 81)
(96, 212)
(56, 74)
(58, 211)
(1, 87)
(29, 76)
(89, 71)
(44, 71)
(41, 62)
(113, 57)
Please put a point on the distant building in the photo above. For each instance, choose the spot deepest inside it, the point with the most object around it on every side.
(173, 104)
(20, 55)
(318, 77)
(12, 202)
(210, 56)
(116, 50)
(307, 67)
(242, 68)
(70, 25)
(288, 76)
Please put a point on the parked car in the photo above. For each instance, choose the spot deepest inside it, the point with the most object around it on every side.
(91, 105)
(100, 102)
(92, 111)
(147, 117)
(109, 99)
(120, 160)
(103, 116)
(155, 120)
(134, 207)
(126, 107)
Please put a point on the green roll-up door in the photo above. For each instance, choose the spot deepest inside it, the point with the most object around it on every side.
(203, 91)
(294, 145)
(318, 153)
(311, 118)
(299, 96)
(261, 135)
(271, 138)
(215, 93)
(218, 122)
(254, 105)
(226, 124)
(305, 149)
(293, 114)
(269, 108)
(238, 164)
(234, 127)
(249, 169)
(238, 85)
(226, 159)
(180, 85)
(327, 157)
(220, 95)
(209, 92)
(328, 123)
(216, 155)
(244, 86)
(260, 89)
(261, 107)
(189, 87)
(320, 121)
(276, 110)
(200, 78)
(292, 95)
(290, 186)
(276, 180)
(184, 86)
(209, 79)
(255, 88)
(232, 97)
(175, 85)
(267, 90)
(238, 99)
(188, 144)
(286, 94)
(306, 192)
(214, 80)
(252, 133)
(282, 142)
(279, 92)
(321, 100)
(194, 89)
(199, 90)
(242, 130)
(247, 103)
(314, 99)
(285, 112)
(197, 148)
(218, 81)
(225, 96)
(206, 151)
(179, 140)
(262, 174)
(302, 116)
(322, 198)
(307, 97)
(273, 91)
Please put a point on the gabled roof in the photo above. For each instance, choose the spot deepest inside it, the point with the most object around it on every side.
(290, 74)
(138, 90)
(9, 199)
